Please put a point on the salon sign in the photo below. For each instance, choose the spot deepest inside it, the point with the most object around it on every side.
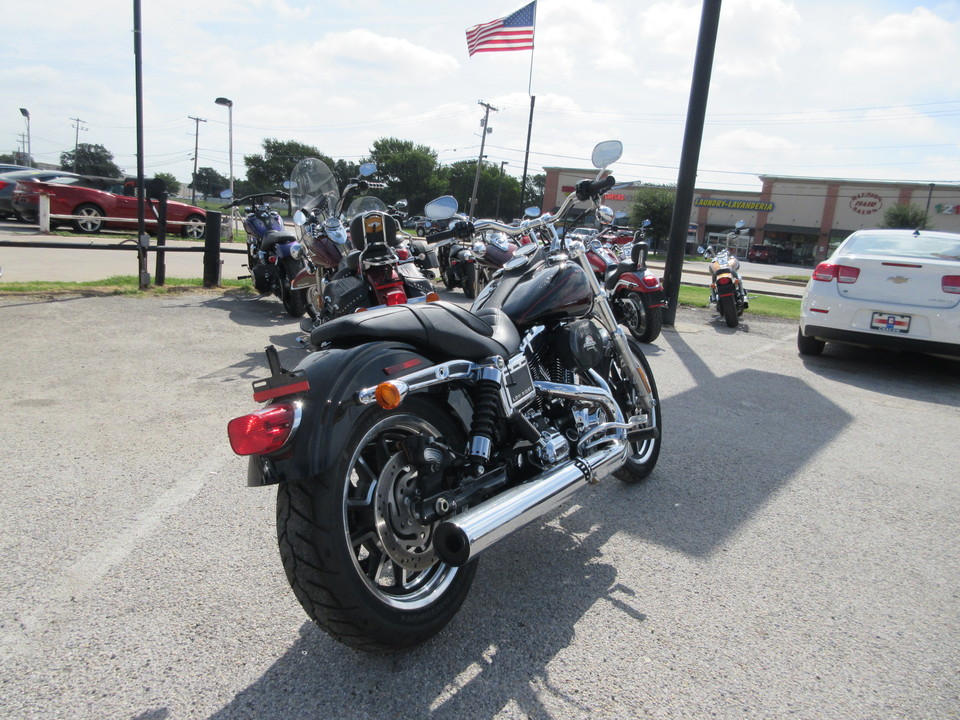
(866, 203)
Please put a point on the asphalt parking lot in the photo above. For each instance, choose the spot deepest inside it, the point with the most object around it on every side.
(793, 554)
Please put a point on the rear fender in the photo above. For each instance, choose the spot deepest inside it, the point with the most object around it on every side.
(330, 409)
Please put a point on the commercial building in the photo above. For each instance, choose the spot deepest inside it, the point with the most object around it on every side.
(804, 218)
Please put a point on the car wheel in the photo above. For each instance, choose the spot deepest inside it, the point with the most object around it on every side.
(194, 229)
(808, 345)
(28, 217)
(90, 220)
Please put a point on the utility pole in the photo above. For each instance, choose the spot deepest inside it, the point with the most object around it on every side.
(483, 140)
(196, 146)
(76, 141)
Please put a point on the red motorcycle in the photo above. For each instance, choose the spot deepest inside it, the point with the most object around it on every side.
(635, 292)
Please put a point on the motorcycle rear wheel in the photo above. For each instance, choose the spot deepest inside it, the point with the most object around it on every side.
(643, 453)
(359, 562)
(294, 301)
(728, 308)
(643, 323)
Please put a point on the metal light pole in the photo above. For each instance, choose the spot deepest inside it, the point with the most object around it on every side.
(229, 106)
(26, 114)
(499, 188)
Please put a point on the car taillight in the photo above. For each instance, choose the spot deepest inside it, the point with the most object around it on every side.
(264, 431)
(951, 284)
(825, 272)
(3, 184)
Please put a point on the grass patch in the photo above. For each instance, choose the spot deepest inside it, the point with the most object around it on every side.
(768, 305)
(792, 278)
(116, 285)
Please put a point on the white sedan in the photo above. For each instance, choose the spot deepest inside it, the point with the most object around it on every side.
(897, 289)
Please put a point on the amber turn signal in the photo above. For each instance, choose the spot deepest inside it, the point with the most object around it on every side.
(388, 396)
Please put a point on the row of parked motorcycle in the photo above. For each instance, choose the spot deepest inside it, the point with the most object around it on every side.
(349, 252)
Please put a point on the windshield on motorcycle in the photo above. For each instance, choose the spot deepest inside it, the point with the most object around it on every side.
(313, 186)
(362, 205)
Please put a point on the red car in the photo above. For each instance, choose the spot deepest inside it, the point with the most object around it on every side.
(762, 253)
(111, 204)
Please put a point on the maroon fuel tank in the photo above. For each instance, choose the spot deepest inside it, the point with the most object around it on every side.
(322, 250)
(543, 294)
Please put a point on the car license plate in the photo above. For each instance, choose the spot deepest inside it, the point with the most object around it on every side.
(890, 322)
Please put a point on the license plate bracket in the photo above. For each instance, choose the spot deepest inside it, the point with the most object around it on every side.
(890, 322)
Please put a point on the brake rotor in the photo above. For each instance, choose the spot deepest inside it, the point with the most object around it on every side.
(407, 541)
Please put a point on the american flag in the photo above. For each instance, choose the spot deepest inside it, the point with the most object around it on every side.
(513, 32)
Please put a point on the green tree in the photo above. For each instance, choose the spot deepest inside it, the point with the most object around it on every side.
(654, 203)
(460, 177)
(209, 182)
(268, 171)
(89, 159)
(906, 217)
(170, 181)
(534, 191)
(411, 172)
(9, 159)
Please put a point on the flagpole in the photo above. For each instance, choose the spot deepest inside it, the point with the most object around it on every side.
(533, 99)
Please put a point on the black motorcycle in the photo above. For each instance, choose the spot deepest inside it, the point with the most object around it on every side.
(419, 435)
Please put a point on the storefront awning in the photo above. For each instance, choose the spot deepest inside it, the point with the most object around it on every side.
(795, 229)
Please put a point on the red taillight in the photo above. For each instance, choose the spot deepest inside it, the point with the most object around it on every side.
(395, 297)
(951, 284)
(3, 184)
(825, 272)
(724, 280)
(262, 432)
(651, 281)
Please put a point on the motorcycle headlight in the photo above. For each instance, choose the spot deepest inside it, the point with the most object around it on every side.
(479, 248)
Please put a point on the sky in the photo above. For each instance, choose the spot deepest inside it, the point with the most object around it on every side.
(813, 88)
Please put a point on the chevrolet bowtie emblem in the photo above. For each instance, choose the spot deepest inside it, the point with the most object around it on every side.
(898, 279)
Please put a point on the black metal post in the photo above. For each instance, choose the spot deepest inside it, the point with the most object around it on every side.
(211, 250)
(690, 155)
(138, 72)
(161, 270)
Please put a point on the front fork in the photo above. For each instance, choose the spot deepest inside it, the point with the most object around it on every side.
(634, 371)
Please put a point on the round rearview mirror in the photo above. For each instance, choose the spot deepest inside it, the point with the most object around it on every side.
(645, 223)
(401, 205)
(606, 153)
(289, 184)
(443, 207)
(367, 169)
(532, 212)
(226, 194)
(700, 249)
(605, 215)
(299, 218)
(740, 224)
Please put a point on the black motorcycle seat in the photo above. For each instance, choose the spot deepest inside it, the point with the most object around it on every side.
(276, 237)
(436, 328)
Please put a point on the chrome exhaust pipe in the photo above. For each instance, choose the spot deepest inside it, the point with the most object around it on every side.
(465, 536)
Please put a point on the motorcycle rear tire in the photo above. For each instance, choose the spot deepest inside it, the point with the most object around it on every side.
(294, 301)
(643, 453)
(353, 553)
(728, 308)
(643, 323)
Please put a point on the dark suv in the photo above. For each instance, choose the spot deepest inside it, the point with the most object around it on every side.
(762, 253)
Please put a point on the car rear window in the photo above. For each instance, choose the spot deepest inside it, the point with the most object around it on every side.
(907, 245)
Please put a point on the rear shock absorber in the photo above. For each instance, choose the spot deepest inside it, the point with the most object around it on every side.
(486, 399)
